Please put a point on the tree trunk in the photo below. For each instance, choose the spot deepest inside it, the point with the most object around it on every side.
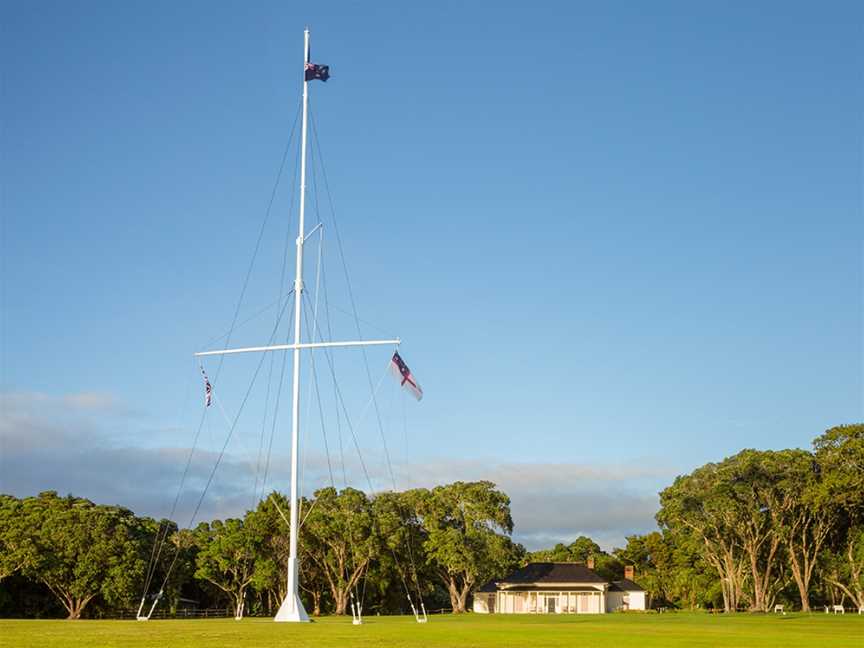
(724, 588)
(803, 583)
(340, 597)
(721, 555)
(855, 591)
(238, 603)
(758, 595)
(75, 610)
(463, 596)
(729, 572)
(74, 605)
(453, 590)
(804, 542)
(316, 603)
(762, 581)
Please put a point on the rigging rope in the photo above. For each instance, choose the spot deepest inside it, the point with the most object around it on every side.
(161, 540)
(363, 349)
(351, 294)
(338, 413)
(351, 428)
(224, 445)
(314, 335)
(356, 605)
(266, 461)
(154, 556)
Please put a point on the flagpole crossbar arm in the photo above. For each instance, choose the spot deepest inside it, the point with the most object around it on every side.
(304, 345)
(313, 230)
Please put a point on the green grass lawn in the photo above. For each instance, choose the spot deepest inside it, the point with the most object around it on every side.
(606, 631)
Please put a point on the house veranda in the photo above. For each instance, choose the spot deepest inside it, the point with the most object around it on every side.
(558, 588)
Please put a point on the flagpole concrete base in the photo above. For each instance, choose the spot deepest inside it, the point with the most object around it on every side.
(291, 611)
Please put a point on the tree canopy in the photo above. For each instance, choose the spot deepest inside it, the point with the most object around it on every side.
(742, 533)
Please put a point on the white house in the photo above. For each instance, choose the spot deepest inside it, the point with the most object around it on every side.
(558, 588)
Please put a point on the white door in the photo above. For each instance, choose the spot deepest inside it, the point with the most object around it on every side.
(584, 603)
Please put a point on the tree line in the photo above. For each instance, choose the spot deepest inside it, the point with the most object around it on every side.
(758, 528)
(763, 527)
(67, 555)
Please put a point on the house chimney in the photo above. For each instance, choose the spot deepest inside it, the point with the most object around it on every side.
(629, 572)
(590, 562)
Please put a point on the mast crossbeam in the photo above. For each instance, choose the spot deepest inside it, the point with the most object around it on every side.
(302, 345)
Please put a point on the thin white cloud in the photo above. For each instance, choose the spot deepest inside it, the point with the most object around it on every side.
(79, 401)
(29, 404)
(52, 443)
(91, 401)
(556, 502)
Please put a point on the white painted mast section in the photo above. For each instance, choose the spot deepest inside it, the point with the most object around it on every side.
(303, 345)
(292, 607)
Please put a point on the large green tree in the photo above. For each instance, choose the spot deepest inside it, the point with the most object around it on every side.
(400, 573)
(698, 505)
(80, 550)
(13, 544)
(803, 515)
(170, 563)
(840, 452)
(340, 540)
(230, 558)
(269, 522)
(755, 495)
(651, 558)
(582, 550)
(765, 518)
(467, 527)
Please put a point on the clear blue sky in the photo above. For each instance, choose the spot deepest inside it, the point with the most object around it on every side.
(616, 237)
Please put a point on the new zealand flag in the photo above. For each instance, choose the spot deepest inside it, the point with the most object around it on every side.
(317, 71)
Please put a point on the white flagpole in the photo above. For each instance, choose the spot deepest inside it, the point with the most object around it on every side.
(292, 607)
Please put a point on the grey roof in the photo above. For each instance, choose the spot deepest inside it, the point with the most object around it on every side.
(548, 574)
(564, 587)
(625, 585)
(553, 572)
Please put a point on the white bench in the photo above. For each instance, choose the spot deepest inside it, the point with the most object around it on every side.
(779, 609)
(838, 609)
